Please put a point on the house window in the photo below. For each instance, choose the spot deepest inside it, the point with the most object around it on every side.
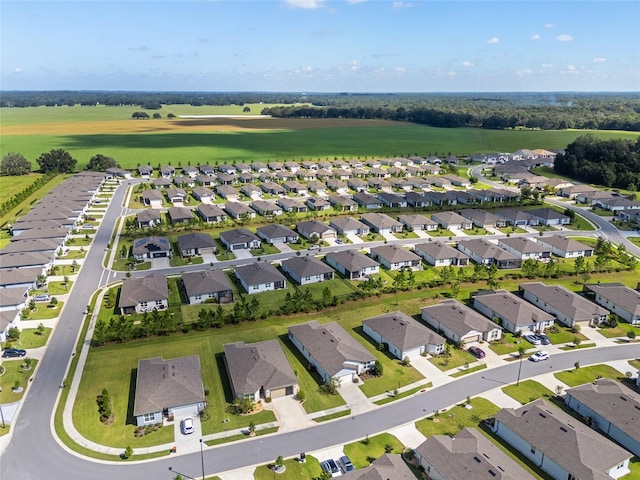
(143, 305)
(533, 449)
(149, 417)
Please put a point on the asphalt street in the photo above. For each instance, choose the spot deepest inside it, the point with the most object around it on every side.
(35, 453)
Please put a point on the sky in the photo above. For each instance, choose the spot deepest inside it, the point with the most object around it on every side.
(320, 45)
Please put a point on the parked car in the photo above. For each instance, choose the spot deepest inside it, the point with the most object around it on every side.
(187, 425)
(476, 352)
(14, 352)
(346, 464)
(539, 356)
(544, 340)
(330, 466)
(42, 298)
(531, 338)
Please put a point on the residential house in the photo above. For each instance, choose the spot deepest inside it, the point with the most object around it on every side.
(246, 177)
(190, 171)
(449, 220)
(417, 222)
(143, 294)
(337, 186)
(417, 200)
(266, 208)
(272, 188)
(357, 184)
(524, 248)
(486, 253)
(440, 254)
(9, 319)
(331, 350)
(319, 188)
(514, 313)
(227, 169)
(211, 213)
(227, 179)
(183, 181)
(573, 191)
(152, 198)
(295, 187)
(392, 200)
(207, 170)
(243, 168)
(151, 247)
(611, 408)
(343, 203)
(192, 244)
(378, 184)
(459, 323)
(42, 260)
(352, 264)
(402, 336)
(618, 299)
(117, 173)
(228, 193)
(292, 166)
(458, 181)
(240, 239)
(260, 277)
(318, 203)
(179, 215)
(568, 307)
(559, 444)
(145, 171)
(259, 370)
(291, 205)
(548, 216)
(46, 245)
(306, 270)
(309, 165)
(251, 191)
(206, 180)
(276, 234)
(565, 247)
(367, 201)
(482, 218)
(317, 229)
(259, 167)
(395, 257)
(381, 223)
(207, 286)
(349, 226)
(161, 182)
(177, 195)
(618, 204)
(467, 455)
(238, 211)
(168, 387)
(276, 166)
(517, 218)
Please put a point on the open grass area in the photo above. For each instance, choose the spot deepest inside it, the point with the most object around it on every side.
(75, 254)
(310, 469)
(620, 330)
(392, 397)
(12, 185)
(509, 343)
(363, 452)
(464, 370)
(579, 376)
(577, 347)
(441, 232)
(332, 416)
(527, 391)
(241, 436)
(457, 358)
(451, 421)
(45, 311)
(14, 375)
(58, 287)
(564, 335)
(31, 338)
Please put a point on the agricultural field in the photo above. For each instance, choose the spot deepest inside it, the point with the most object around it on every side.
(86, 131)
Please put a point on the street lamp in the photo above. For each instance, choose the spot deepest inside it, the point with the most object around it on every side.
(519, 369)
(202, 459)
(181, 474)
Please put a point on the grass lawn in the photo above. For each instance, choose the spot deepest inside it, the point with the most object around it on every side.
(332, 416)
(507, 230)
(509, 343)
(527, 391)
(31, 338)
(59, 288)
(635, 363)
(13, 372)
(79, 241)
(601, 212)
(405, 394)
(577, 347)
(564, 336)
(634, 240)
(180, 261)
(458, 358)
(242, 436)
(365, 451)
(43, 312)
(620, 330)
(75, 254)
(589, 374)
(294, 470)
(457, 418)
(405, 235)
(265, 249)
(441, 232)
(465, 371)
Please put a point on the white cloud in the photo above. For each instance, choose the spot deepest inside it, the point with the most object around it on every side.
(468, 64)
(17, 70)
(402, 4)
(400, 70)
(599, 60)
(535, 37)
(353, 65)
(549, 25)
(546, 65)
(451, 73)
(306, 4)
(493, 41)
(525, 72)
(570, 70)
(353, 2)
(564, 38)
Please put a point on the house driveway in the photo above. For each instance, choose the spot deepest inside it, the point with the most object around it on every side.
(187, 443)
(421, 233)
(353, 238)
(242, 254)
(289, 413)
(160, 263)
(389, 236)
(357, 401)
(284, 248)
(432, 373)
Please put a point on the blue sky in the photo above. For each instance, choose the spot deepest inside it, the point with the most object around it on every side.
(321, 46)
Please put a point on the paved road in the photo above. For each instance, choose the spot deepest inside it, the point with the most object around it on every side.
(34, 452)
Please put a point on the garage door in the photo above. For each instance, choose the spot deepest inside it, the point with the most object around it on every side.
(278, 392)
(159, 254)
(206, 251)
(474, 338)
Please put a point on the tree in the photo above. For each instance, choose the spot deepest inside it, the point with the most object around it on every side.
(530, 268)
(99, 163)
(56, 161)
(378, 368)
(14, 164)
(157, 115)
(246, 110)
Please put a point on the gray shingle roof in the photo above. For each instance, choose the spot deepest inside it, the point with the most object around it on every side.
(259, 273)
(146, 289)
(255, 365)
(205, 281)
(564, 243)
(195, 240)
(486, 249)
(621, 295)
(16, 276)
(151, 244)
(403, 331)
(523, 245)
(275, 231)
(24, 259)
(511, 307)
(352, 260)
(163, 384)
(238, 235)
(306, 266)
(387, 467)
(380, 220)
(348, 223)
(569, 303)
(439, 250)
(394, 254)
(148, 215)
(459, 318)
(180, 213)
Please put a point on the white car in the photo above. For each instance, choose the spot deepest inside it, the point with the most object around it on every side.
(539, 356)
(531, 338)
(187, 425)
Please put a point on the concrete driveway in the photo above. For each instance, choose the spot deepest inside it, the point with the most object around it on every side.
(242, 254)
(354, 238)
(290, 413)
(357, 401)
(187, 443)
(160, 263)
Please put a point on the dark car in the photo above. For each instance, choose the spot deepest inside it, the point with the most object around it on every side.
(14, 352)
(544, 340)
(477, 352)
(347, 466)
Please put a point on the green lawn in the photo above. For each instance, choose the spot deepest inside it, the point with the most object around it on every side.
(392, 397)
(458, 358)
(508, 230)
(31, 338)
(620, 330)
(464, 371)
(564, 336)
(405, 235)
(58, 287)
(509, 343)
(13, 372)
(589, 374)
(441, 232)
(363, 452)
(79, 241)
(75, 254)
(577, 347)
(456, 418)
(294, 470)
(12, 185)
(527, 391)
(44, 312)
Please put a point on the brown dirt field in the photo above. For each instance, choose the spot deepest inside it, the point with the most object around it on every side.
(183, 125)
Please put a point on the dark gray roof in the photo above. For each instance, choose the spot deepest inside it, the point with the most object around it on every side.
(330, 345)
(195, 240)
(459, 318)
(394, 253)
(180, 213)
(314, 226)
(12, 296)
(523, 245)
(16, 276)
(380, 220)
(306, 266)
(208, 211)
(564, 243)
(205, 281)
(449, 217)
(256, 365)
(275, 231)
(403, 331)
(237, 209)
(238, 235)
(24, 259)
(621, 295)
(387, 467)
(163, 384)
(31, 245)
(478, 215)
(416, 219)
(486, 249)
(348, 223)
(152, 195)
(352, 260)
(511, 307)
(470, 455)
(569, 303)
(150, 244)
(546, 213)
(46, 232)
(614, 402)
(439, 250)
(176, 192)
(146, 289)
(259, 273)
(148, 215)
(579, 449)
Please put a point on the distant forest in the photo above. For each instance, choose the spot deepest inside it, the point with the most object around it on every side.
(545, 111)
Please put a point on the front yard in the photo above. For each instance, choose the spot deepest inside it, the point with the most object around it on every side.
(451, 421)
(582, 375)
